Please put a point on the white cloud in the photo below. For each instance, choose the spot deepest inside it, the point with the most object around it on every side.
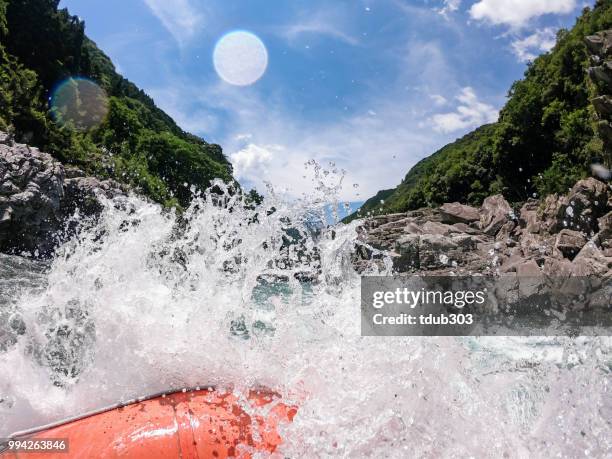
(528, 48)
(329, 22)
(517, 13)
(293, 31)
(470, 113)
(251, 161)
(267, 140)
(438, 99)
(449, 6)
(376, 146)
(179, 17)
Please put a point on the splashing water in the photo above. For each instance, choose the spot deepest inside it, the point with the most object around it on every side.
(238, 296)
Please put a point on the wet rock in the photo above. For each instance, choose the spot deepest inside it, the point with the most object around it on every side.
(31, 190)
(586, 202)
(37, 194)
(569, 243)
(83, 193)
(495, 212)
(459, 213)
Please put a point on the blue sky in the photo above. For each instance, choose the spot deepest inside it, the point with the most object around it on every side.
(371, 86)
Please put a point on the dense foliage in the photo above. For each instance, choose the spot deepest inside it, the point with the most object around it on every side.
(139, 144)
(544, 141)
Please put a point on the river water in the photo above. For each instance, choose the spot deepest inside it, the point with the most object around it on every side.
(235, 296)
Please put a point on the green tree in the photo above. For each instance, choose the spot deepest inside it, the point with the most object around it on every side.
(544, 141)
(137, 143)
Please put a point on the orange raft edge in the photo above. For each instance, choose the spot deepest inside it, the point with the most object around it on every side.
(192, 424)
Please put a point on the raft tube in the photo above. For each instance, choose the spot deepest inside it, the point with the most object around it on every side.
(198, 424)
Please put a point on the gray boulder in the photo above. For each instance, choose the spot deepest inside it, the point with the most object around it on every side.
(84, 193)
(602, 74)
(591, 261)
(459, 213)
(586, 202)
(600, 44)
(36, 198)
(528, 217)
(31, 190)
(495, 212)
(569, 243)
(559, 236)
(436, 251)
(407, 253)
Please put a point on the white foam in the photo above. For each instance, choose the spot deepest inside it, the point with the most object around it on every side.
(163, 302)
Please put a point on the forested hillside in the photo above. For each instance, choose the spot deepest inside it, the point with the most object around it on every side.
(544, 141)
(135, 143)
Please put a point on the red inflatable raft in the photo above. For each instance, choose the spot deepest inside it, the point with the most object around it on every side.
(198, 424)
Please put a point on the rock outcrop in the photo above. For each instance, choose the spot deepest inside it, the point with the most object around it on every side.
(459, 213)
(600, 48)
(560, 235)
(37, 195)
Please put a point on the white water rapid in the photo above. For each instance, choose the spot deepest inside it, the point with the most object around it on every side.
(144, 301)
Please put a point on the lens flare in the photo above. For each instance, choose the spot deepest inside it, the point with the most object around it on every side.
(240, 58)
(79, 103)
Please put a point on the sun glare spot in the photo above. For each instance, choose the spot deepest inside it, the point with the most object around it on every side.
(80, 103)
(240, 58)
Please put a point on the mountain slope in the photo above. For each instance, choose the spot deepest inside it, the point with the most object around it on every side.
(137, 143)
(545, 139)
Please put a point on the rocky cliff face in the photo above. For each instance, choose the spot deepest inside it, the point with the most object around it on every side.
(560, 235)
(600, 48)
(38, 195)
